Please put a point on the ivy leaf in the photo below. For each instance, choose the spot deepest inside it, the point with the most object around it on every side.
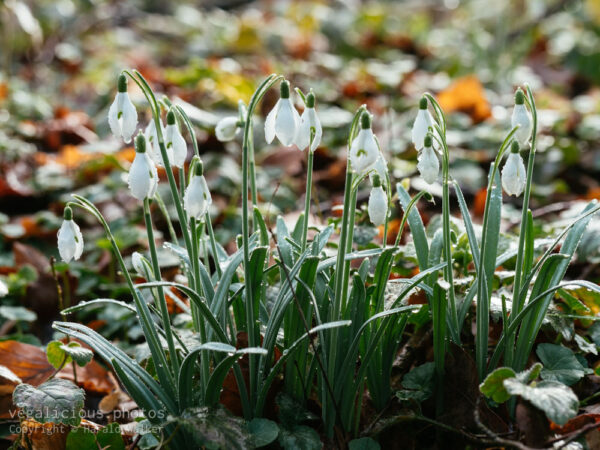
(81, 439)
(557, 401)
(57, 401)
(59, 354)
(419, 383)
(110, 437)
(560, 364)
(299, 437)
(365, 443)
(493, 385)
(262, 431)
(530, 374)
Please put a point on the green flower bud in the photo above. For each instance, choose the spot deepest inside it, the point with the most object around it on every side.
(122, 83)
(423, 103)
(310, 100)
(284, 89)
(140, 143)
(519, 97)
(428, 141)
(514, 147)
(68, 213)
(376, 180)
(365, 120)
(171, 117)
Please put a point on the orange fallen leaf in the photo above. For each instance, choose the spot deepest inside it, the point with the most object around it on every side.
(466, 95)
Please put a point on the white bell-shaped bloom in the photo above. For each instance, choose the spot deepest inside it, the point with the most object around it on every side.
(122, 116)
(378, 206)
(175, 141)
(428, 163)
(423, 122)
(522, 118)
(227, 128)
(514, 174)
(3, 289)
(70, 239)
(309, 124)
(380, 168)
(197, 198)
(143, 177)
(364, 149)
(153, 146)
(283, 120)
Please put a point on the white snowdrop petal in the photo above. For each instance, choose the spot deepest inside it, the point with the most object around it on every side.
(428, 165)
(197, 198)
(141, 176)
(380, 168)
(286, 122)
(316, 124)
(270, 123)
(113, 118)
(303, 134)
(363, 151)
(226, 129)
(128, 118)
(514, 175)
(378, 206)
(3, 289)
(70, 241)
(78, 240)
(521, 117)
(420, 128)
(177, 145)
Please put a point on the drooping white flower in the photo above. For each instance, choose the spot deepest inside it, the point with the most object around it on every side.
(70, 239)
(364, 149)
(309, 124)
(197, 198)
(3, 289)
(521, 117)
(423, 122)
(122, 116)
(513, 173)
(380, 168)
(283, 120)
(153, 147)
(175, 141)
(378, 203)
(227, 128)
(143, 177)
(428, 163)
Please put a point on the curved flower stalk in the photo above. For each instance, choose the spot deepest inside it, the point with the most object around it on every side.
(364, 150)
(522, 119)
(143, 177)
(153, 145)
(70, 239)
(197, 198)
(122, 116)
(513, 173)
(283, 120)
(175, 141)
(378, 203)
(310, 131)
(423, 124)
(428, 163)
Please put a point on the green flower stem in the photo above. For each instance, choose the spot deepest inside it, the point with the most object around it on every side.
(309, 173)
(200, 325)
(518, 300)
(164, 311)
(213, 245)
(253, 339)
(163, 209)
(252, 163)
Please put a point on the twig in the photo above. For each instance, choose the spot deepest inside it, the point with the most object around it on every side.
(573, 435)
(497, 439)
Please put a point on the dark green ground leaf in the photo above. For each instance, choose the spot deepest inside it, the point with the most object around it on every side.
(493, 385)
(365, 443)
(263, 431)
(299, 437)
(110, 437)
(81, 439)
(59, 353)
(419, 383)
(560, 364)
(57, 401)
(559, 402)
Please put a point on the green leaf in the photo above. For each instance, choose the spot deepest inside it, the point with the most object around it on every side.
(57, 401)
(299, 437)
(262, 431)
(110, 437)
(81, 439)
(419, 383)
(291, 412)
(560, 364)
(17, 313)
(530, 374)
(59, 354)
(493, 385)
(365, 443)
(559, 402)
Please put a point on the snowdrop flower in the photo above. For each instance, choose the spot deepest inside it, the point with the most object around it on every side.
(521, 117)
(197, 197)
(380, 168)
(364, 149)
(143, 177)
(309, 124)
(423, 122)
(152, 143)
(428, 163)
(283, 120)
(513, 173)
(378, 203)
(70, 240)
(122, 116)
(227, 128)
(3, 289)
(175, 142)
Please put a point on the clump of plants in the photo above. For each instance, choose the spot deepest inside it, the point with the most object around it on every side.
(314, 316)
